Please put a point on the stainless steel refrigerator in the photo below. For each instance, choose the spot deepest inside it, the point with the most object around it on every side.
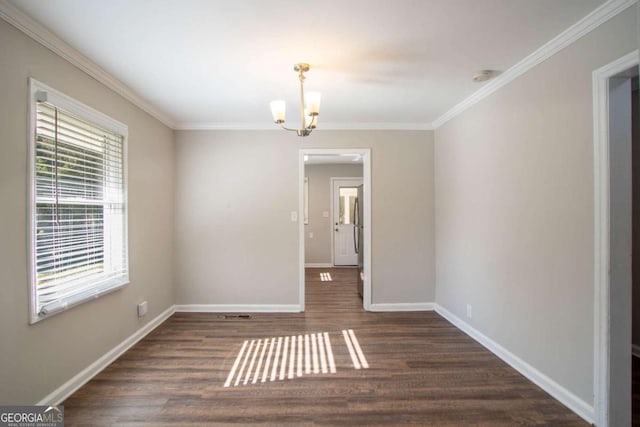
(358, 237)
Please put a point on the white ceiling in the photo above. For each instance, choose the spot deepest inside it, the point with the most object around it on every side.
(378, 63)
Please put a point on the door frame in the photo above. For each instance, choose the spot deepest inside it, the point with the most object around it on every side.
(365, 153)
(602, 250)
(332, 181)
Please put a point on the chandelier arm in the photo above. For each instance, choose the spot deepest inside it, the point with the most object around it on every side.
(286, 128)
(312, 124)
(302, 119)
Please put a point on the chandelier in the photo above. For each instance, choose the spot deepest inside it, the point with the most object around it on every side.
(309, 110)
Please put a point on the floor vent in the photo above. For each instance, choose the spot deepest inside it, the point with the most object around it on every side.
(237, 316)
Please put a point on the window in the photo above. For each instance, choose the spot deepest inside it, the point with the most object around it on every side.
(78, 222)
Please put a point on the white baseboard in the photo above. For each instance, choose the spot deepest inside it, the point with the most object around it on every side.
(67, 389)
(238, 308)
(404, 306)
(567, 398)
(318, 265)
(635, 350)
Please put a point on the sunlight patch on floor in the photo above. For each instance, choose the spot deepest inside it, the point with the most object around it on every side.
(289, 357)
(326, 277)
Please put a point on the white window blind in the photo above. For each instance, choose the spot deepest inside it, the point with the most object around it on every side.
(79, 246)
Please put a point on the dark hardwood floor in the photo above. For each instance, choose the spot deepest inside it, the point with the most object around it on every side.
(635, 389)
(422, 370)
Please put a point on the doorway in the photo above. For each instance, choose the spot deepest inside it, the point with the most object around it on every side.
(363, 157)
(612, 240)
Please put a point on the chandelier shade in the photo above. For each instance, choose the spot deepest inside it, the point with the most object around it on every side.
(278, 109)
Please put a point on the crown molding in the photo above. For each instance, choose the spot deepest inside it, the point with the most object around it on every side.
(42, 35)
(587, 24)
(324, 126)
(224, 126)
(377, 126)
(46, 38)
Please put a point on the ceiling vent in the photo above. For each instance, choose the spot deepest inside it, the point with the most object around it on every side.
(482, 76)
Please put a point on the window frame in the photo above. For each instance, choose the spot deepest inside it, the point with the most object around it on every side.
(97, 118)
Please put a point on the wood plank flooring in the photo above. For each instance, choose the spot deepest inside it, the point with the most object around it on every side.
(635, 390)
(422, 371)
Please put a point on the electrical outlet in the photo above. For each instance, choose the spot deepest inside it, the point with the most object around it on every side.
(142, 309)
(294, 216)
(469, 311)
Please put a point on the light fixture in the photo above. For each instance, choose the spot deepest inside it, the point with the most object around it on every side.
(308, 111)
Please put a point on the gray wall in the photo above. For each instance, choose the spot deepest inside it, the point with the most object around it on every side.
(317, 250)
(236, 244)
(514, 210)
(37, 359)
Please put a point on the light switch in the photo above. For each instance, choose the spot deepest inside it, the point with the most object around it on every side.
(311, 234)
(294, 216)
(325, 214)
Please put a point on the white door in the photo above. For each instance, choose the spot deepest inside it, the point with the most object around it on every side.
(345, 192)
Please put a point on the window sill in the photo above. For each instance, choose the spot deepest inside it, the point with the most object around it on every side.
(87, 295)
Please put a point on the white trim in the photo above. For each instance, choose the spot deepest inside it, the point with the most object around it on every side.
(635, 350)
(226, 126)
(306, 201)
(323, 126)
(31, 204)
(375, 126)
(368, 247)
(301, 232)
(587, 24)
(366, 179)
(318, 265)
(67, 389)
(74, 106)
(567, 398)
(332, 181)
(404, 306)
(237, 308)
(601, 358)
(48, 39)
